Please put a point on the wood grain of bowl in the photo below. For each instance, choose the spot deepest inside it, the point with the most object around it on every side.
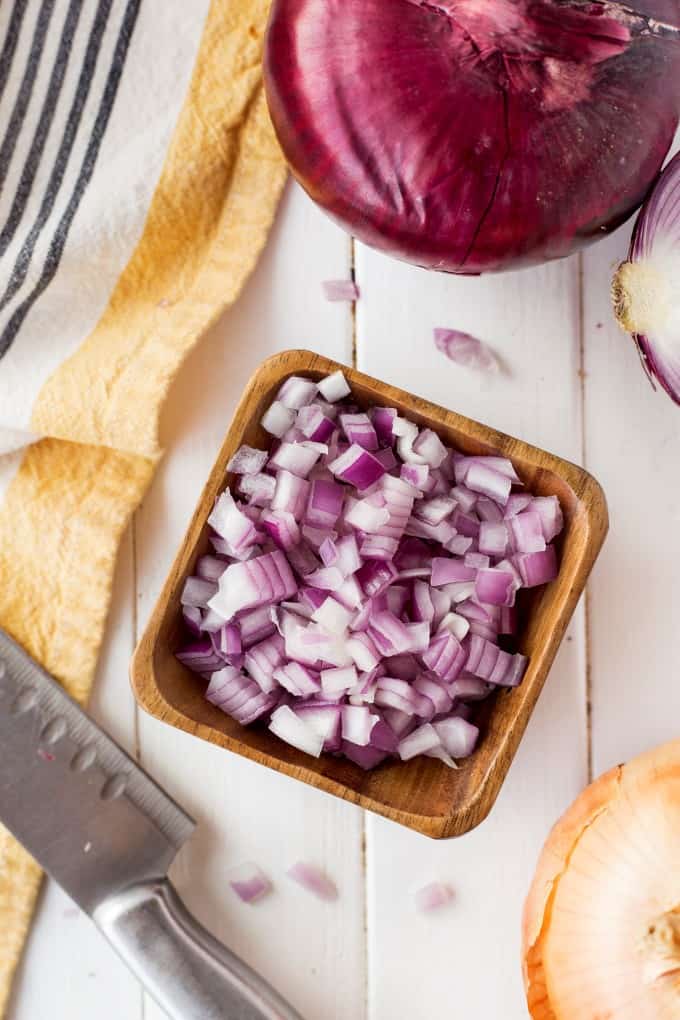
(422, 794)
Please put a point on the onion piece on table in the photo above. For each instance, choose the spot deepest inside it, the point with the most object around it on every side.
(433, 897)
(601, 925)
(340, 290)
(314, 880)
(249, 882)
(465, 350)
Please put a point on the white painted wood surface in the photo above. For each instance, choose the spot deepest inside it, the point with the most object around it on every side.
(571, 384)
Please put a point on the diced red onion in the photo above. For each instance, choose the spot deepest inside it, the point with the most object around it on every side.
(537, 567)
(465, 499)
(480, 478)
(298, 458)
(200, 656)
(281, 527)
(332, 616)
(455, 624)
(429, 446)
(497, 587)
(363, 651)
(517, 502)
(550, 512)
(286, 725)
(258, 488)
(458, 545)
(386, 458)
(277, 419)
(358, 467)
(297, 392)
(445, 656)
(357, 724)
(457, 736)
(383, 419)
(290, 494)
(192, 617)
(419, 742)
(526, 530)
(433, 511)
(338, 680)
(446, 571)
(334, 387)
(197, 592)
(360, 652)
(359, 429)
(493, 538)
(416, 474)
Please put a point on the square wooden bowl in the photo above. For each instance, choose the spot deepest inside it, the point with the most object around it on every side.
(423, 794)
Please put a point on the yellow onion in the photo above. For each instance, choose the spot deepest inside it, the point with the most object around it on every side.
(601, 926)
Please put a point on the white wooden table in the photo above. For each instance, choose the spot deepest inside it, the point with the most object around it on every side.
(573, 385)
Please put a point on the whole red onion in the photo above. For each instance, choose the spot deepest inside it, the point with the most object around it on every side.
(474, 135)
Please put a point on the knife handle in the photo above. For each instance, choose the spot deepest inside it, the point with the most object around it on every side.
(189, 973)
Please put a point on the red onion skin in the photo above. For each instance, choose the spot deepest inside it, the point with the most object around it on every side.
(522, 146)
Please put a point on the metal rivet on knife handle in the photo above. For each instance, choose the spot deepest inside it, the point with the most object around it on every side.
(54, 731)
(24, 702)
(84, 759)
(114, 787)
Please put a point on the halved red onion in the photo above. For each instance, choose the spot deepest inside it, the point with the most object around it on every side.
(645, 287)
(340, 290)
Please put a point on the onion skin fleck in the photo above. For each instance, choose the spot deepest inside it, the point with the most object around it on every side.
(471, 135)
(630, 816)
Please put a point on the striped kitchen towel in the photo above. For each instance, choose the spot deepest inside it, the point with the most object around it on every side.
(138, 179)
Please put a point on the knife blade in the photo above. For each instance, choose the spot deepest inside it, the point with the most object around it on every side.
(107, 833)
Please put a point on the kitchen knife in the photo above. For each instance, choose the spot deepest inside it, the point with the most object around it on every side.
(101, 827)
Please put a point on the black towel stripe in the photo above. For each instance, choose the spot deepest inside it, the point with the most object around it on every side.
(86, 170)
(23, 260)
(34, 157)
(11, 40)
(16, 119)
